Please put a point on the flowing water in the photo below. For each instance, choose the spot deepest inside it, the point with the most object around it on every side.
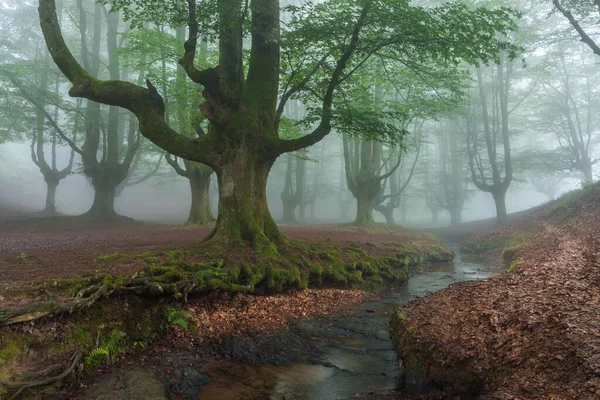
(328, 357)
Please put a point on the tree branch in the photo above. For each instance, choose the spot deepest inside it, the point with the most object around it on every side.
(324, 126)
(584, 36)
(145, 103)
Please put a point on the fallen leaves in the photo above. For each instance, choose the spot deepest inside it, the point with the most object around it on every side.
(222, 314)
(529, 334)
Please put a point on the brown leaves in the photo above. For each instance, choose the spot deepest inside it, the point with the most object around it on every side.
(537, 328)
(221, 314)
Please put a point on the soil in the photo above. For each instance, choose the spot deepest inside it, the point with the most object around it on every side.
(533, 333)
(51, 248)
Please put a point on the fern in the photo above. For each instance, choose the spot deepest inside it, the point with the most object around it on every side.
(96, 354)
(98, 351)
(178, 317)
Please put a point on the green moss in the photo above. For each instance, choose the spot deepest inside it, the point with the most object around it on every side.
(110, 257)
(11, 345)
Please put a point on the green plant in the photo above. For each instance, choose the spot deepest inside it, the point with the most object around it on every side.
(96, 355)
(178, 317)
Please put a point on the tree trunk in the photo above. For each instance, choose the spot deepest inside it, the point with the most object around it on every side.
(200, 212)
(103, 207)
(455, 216)
(500, 200)
(364, 211)
(388, 213)
(243, 212)
(435, 216)
(50, 208)
(289, 208)
(588, 176)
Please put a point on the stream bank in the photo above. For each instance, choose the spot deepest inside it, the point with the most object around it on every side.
(324, 357)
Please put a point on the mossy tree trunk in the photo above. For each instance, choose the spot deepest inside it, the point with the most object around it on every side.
(199, 177)
(242, 141)
(200, 212)
(243, 212)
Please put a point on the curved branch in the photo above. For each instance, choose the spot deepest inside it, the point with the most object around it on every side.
(209, 78)
(300, 86)
(145, 103)
(324, 126)
(173, 163)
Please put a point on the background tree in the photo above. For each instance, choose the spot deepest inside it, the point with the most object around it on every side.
(488, 136)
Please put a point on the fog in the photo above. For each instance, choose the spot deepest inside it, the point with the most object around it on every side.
(463, 144)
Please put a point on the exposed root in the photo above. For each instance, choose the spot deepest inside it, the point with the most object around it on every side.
(89, 295)
(33, 311)
(23, 385)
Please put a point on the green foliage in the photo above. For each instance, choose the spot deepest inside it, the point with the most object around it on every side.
(178, 317)
(96, 356)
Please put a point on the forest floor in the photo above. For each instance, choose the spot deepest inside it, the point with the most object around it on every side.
(52, 248)
(532, 333)
(40, 255)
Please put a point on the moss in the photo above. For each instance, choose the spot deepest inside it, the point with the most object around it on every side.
(12, 345)
(110, 257)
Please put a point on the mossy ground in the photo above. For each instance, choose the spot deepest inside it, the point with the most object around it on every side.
(101, 333)
(125, 321)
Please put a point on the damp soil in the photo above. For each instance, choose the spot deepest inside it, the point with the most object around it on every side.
(341, 356)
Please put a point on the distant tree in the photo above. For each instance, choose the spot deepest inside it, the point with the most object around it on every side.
(32, 108)
(452, 189)
(569, 102)
(488, 135)
(390, 196)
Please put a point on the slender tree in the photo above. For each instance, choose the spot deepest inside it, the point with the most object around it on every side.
(488, 138)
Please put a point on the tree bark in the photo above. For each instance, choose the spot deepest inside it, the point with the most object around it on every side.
(364, 210)
(500, 201)
(243, 212)
(200, 212)
(50, 207)
(455, 216)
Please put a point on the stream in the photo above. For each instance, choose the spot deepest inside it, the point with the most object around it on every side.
(325, 357)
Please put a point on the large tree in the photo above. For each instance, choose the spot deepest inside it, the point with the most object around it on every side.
(326, 41)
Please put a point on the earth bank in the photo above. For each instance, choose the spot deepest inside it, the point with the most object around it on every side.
(529, 334)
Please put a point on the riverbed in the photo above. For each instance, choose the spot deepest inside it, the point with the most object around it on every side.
(326, 357)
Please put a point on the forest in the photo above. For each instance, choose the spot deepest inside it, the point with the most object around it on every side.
(299, 199)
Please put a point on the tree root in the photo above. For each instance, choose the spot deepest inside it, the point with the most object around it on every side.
(23, 385)
(36, 310)
(151, 286)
